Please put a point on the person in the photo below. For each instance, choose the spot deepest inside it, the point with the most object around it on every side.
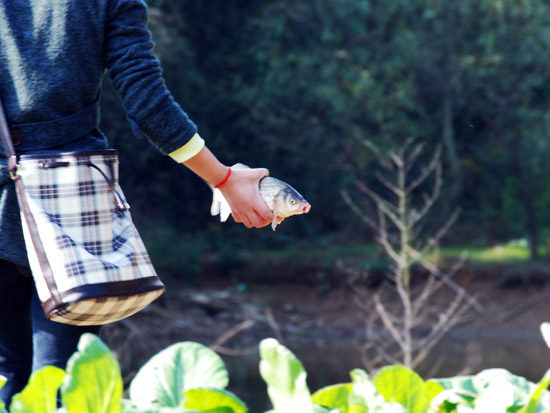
(53, 56)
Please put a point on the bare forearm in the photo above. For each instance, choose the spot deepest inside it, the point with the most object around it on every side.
(207, 166)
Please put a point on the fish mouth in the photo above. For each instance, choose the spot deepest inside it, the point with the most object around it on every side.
(305, 208)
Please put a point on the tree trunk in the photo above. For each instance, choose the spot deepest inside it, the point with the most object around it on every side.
(531, 225)
(450, 147)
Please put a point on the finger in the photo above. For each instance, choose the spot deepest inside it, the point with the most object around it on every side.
(263, 222)
(236, 217)
(257, 221)
(267, 215)
(252, 221)
(262, 209)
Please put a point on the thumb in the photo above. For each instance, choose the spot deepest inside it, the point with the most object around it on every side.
(261, 172)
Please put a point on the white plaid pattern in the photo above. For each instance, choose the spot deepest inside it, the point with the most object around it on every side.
(84, 238)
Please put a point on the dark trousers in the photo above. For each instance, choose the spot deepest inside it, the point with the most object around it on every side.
(29, 341)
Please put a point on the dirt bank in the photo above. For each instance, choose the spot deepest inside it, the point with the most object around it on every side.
(232, 314)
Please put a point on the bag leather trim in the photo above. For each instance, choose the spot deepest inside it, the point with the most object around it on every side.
(107, 289)
(74, 154)
(35, 236)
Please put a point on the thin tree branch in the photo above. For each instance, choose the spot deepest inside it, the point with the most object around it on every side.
(435, 339)
(397, 160)
(398, 192)
(411, 160)
(429, 201)
(369, 145)
(443, 323)
(273, 324)
(233, 331)
(390, 250)
(366, 219)
(436, 284)
(433, 241)
(449, 283)
(429, 288)
(425, 171)
(379, 201)
(383, 313)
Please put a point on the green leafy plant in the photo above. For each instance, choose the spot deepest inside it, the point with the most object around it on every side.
(190, 378)
(185, 377)
(165, 378)
(394, 389)
(399, 389)
(404, 386)
(495, 390)
(40, 394)
(3, 381)
(210, 400)
(93, 382)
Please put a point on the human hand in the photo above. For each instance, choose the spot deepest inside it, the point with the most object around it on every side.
(242, 193)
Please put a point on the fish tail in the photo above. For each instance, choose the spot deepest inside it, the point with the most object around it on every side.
(219, 206)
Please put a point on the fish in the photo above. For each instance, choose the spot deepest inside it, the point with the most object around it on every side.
(282, 199)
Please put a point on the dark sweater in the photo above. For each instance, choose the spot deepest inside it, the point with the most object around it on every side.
(53, 56)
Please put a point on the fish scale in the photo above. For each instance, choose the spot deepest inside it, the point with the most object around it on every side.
(270, 187)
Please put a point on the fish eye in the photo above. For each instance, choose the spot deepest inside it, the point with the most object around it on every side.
(292, 201)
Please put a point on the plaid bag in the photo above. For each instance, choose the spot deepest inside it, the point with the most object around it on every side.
(88, 261)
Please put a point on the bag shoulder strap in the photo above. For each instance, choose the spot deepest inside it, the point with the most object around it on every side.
(6, 140)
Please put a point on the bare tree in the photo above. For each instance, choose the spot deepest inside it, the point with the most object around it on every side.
(405, 317)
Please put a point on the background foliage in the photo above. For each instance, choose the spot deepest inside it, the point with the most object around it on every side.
(297, 86)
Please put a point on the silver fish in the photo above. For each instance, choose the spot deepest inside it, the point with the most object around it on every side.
(279, 196)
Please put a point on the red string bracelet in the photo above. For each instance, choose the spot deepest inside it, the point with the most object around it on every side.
(224, 179)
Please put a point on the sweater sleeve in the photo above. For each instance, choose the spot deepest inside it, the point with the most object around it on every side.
(137, 77)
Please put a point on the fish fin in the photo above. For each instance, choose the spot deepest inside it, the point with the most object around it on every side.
(225, 211)
(276, 221)
(215, 207)
(220, 206)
